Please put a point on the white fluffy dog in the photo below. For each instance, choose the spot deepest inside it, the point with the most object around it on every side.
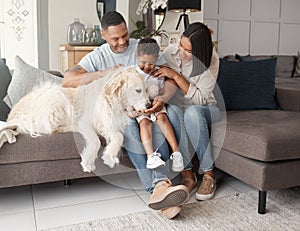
(98, 108)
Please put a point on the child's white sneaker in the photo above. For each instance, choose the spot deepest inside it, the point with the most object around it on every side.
(177, 165)
(154, 161)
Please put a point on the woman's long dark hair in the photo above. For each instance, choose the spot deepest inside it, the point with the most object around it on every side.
(200, 38)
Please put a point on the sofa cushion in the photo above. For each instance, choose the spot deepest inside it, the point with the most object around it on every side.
(285, 63)
(285, 66)
(5, 78)
(43, 148)
(297, 67)
(243, 58)
(248, 85)
(265, 135)
(288, 94)
(24, 79)
(58, 146)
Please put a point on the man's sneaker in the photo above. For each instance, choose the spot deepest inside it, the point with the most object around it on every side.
(165, 195)
(154, 161)
(171, 212)
(177, 164)
(207, 188)
(191, 184)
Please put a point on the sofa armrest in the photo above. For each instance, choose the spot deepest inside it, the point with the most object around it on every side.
(288, 97)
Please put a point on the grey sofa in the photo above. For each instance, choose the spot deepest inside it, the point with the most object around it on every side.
(262, 147)
(44, 159)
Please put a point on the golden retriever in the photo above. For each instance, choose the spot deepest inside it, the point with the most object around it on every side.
(99, 108)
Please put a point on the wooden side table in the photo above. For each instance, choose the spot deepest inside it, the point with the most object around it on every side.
(71, 55)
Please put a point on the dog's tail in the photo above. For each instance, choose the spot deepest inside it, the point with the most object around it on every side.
(8, 133)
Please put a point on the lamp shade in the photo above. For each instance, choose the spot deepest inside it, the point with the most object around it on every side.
(184, 5)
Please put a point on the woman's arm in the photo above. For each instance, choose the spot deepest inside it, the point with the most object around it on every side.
(202, 86)
(171, 74)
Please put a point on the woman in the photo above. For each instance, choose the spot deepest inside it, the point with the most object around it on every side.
(193, 65)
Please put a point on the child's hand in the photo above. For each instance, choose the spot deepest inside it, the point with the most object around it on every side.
(157, 105)
(132, 113)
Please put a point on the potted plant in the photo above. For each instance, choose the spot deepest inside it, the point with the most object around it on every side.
(158, 35)
(141, 31)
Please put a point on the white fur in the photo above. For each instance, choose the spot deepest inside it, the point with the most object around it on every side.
(93, 109)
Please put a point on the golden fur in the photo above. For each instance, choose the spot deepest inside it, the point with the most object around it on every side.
(98, 108)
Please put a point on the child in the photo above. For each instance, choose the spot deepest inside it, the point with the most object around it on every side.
(147, 55)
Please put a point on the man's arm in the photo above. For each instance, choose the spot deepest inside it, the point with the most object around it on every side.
(77, 75)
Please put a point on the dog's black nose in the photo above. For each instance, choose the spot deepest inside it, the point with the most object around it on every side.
(148, 105)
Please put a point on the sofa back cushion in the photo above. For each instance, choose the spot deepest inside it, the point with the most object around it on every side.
(248, 85)
(297, 67)
(285, 66)
(5, 78)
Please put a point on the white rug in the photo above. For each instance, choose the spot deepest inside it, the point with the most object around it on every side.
(235, 212)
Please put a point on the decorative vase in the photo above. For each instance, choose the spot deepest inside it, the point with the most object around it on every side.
(75, 33)
(90, 35)
(98, 38)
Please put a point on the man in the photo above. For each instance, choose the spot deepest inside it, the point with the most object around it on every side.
(120, 50)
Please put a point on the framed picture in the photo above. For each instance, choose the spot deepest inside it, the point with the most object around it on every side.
(174, 37)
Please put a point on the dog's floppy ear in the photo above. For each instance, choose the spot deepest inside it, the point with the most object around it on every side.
(115, 85)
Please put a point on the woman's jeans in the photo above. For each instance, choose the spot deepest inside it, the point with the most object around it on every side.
(195, 118)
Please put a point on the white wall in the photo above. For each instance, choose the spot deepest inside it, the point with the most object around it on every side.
(60, 15)
(18, 31)
(128, 8)
(258, 27)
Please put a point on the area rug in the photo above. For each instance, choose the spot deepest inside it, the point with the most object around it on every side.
(235, 212)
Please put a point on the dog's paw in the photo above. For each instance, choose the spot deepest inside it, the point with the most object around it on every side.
(116, 159)
(111, 162)
(87, 167)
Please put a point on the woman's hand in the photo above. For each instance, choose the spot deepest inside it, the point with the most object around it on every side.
(157, 105)
(165, 71)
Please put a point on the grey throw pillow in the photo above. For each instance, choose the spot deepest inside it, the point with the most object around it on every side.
(297, 67)
(24, 79)
(245, 58)
(5, 78)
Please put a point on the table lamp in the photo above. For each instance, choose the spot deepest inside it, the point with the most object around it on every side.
(184, 6)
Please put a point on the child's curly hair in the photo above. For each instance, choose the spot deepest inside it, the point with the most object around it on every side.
(148, 46)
